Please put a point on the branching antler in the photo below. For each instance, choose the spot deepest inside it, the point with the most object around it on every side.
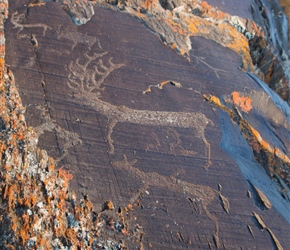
(89, 76)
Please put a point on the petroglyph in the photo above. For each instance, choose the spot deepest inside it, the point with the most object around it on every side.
(152, 146)
(200, 59)
(171, 143)
(204, 194)
(76, 38)
(71, 139)
(176, 146)
(86, 80)
(90, 79)
(17, 20)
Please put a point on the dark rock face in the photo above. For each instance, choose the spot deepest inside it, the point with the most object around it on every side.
(270, 54)
(157, 155)
(241, 9)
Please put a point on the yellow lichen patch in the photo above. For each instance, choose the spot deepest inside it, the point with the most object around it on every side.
(238, 43)
(128, 208)
(161, 84)
(36, 3)
(51, 164)
(216, 101)
(148, 4)
(228, 36)
(192, 25)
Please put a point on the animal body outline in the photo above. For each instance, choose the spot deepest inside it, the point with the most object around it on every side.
(204, 194)
(87, 89)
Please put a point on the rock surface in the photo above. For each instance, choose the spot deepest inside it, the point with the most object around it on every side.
(123, 114)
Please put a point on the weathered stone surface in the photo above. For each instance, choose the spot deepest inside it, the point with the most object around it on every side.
(157, 155)
(270, 53)
(235, 8)
(286, 9)
(245, 112)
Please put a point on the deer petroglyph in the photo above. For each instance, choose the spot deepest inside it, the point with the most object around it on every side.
(86, 80)
(204, 194)
(76, 38)
(17, 21)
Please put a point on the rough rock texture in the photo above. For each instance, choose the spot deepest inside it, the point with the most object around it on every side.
(176, 21)
(285, 4)
(270, 54)
(124, 119)
(37, 210)
(266, 150)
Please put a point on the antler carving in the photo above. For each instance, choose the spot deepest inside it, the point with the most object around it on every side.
(89, 77)
(86, 80)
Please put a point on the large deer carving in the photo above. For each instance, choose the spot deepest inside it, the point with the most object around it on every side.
(86, 80)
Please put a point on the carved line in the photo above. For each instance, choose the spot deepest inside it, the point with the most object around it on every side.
(71, 139)
(82, 80)
(76, 38)
(205, 193)
(16, 20)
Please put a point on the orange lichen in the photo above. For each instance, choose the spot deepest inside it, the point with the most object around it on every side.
(216, 101)
(271, 158)
(245, 103)
(179, 25)
(2, 47)
(36, 3)
(130, 207)
(108, 205)
(35, 198)
(65, 176)
(161, 84)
